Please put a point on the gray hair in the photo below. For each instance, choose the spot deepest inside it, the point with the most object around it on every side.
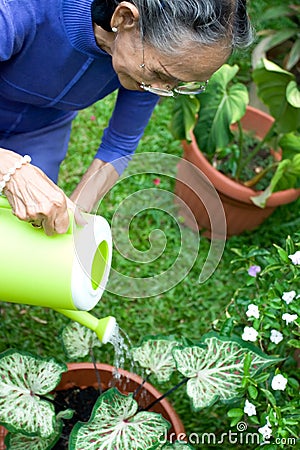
(166, 24)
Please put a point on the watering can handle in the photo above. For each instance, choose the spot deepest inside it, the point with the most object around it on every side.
(4, 203)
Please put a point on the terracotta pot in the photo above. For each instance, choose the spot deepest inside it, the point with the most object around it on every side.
(240, 212)
(83, 375)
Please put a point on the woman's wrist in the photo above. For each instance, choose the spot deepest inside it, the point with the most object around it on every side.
(7, 159)
(26, 159)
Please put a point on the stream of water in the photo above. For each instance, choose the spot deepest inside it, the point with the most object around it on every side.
(121, 343)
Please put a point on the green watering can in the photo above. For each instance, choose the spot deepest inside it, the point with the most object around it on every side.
(66, 272)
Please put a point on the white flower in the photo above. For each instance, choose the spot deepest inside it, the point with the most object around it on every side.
(250, 334)
(295, 258)
(279, 382)
(276, 336)
(266, 431)
(249, 408)
(289, 317)
(252, 311)
(288, 297)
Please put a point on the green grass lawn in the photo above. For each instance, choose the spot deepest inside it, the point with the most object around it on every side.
(188, 309)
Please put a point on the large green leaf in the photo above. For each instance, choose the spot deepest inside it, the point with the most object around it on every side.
(215, 368)
(221, 105)
(78, 340)
(23, 379)
(155, 355)
(185, 110)
(272, 83)
(115, 424)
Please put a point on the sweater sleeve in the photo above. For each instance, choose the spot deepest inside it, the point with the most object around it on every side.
(16, 27)
(131, 114)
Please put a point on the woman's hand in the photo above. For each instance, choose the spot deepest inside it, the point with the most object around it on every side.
(34, 197)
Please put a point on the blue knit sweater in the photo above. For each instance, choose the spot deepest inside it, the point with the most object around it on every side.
(50, 65)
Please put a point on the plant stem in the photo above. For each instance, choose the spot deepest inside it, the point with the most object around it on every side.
(141, 385)
(185, 380)
(241, 155)
(258, 146)
(96, 371)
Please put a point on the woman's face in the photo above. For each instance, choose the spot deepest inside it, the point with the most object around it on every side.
(193, 63)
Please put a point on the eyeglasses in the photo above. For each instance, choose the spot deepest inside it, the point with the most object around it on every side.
(192, 88)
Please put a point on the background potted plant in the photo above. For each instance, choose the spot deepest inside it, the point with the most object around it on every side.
(207, 123)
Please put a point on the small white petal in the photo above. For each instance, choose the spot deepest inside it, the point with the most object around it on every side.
(288, 297)
(295, 258)
(289, 318)
(279, 382)
(276, 336)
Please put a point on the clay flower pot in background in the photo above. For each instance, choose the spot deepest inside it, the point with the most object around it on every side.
(240, 212)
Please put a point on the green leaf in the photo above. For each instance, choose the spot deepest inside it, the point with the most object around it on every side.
(280, 36)
(115, 424)
(272, 81)
(269, 396)
(290, 145)
(184, 116)
(23, 379)
(277, 12)
(285, 177)
(293, 94)
(78, 340)
(294, 343)
(235, 412)
(282, 254)
(253, 392)
(262, 377)
(294, 55)
(155, 355)
(216, 368)
(221, 105)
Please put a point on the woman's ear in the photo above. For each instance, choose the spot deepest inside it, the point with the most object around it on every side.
(125, 17)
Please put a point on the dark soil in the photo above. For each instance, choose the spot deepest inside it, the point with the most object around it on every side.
(82, 402)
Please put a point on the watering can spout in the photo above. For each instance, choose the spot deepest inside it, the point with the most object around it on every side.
(105, 328)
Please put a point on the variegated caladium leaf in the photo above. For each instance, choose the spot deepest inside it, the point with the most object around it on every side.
(18, 441)
(115, 424)
(155, 355)
(178, 445)
(78, 340)
(216, 368)
(23, 379)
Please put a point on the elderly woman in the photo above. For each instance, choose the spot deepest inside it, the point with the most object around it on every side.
(60, 56)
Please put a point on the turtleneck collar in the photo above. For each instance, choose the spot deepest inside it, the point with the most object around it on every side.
(79, 27)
